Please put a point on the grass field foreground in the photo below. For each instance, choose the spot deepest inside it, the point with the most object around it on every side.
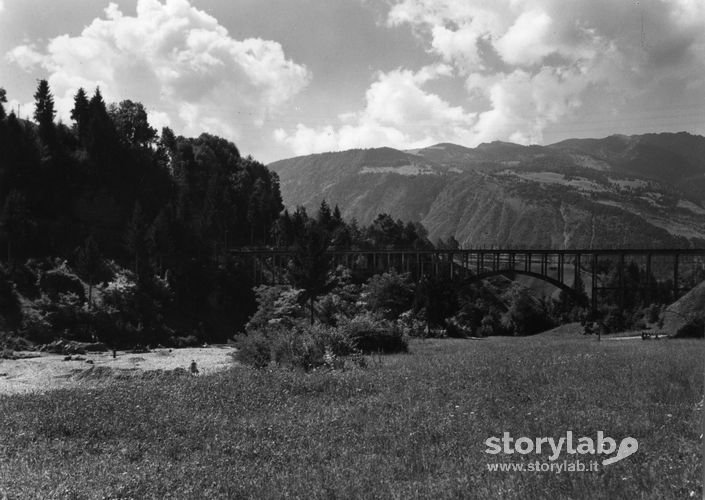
(408, 426)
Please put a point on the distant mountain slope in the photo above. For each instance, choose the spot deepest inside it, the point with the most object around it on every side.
(675, 159)
(639, 190)
(363, 182)
(497, 152)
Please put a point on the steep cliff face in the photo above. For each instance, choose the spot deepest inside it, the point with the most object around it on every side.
(618, 191)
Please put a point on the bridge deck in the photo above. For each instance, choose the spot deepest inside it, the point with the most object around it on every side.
(681, 267)
(581, 251)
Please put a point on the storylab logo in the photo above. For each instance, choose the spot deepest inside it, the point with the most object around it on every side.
(553, 449)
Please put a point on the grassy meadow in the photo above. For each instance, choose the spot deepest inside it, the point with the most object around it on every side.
(407, 426)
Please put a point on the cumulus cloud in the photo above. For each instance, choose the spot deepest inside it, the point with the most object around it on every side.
(454, 26)
(527, 41)
(523, 104)
(398, 111)
(26, 57)
(176, 59)
(526, 65)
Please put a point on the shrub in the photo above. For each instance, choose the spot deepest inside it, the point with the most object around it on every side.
(371, 335)
(36, 325)
(132, 310)
(14, 343)
(335, 340)
(457, 328)
(492, 324)
(25, 279)
(389, 294)
(300, 347)
(61, 281)
(380, 341)
(276, 305)
(327, 310)
(343, 299)
(44, 318)
(254, 349)
(67, 314)
(412, 324)
(438, 298)
(614, 319)
(526, 314)
(119, 293)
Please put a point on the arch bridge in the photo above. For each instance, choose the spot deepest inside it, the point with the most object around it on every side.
(602, 271)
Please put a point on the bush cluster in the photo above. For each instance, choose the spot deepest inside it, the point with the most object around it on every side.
(370, 334)
(49, 301)
(301, 346)
(347, 322)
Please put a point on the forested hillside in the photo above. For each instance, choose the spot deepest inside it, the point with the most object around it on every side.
(112, 231)
(108, 201)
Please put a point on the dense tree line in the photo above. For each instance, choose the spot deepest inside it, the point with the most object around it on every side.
(383, 233)
(138, 193)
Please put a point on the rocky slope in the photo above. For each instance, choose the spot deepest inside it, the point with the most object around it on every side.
(646, 190)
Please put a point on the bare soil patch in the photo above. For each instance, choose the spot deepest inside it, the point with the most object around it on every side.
(39, 372)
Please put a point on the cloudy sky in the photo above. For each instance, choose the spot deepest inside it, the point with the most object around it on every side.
(289, 77)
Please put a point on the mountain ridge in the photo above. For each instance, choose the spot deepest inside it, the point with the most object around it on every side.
(630, 190)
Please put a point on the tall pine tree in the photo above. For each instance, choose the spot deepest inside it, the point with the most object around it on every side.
(3, 100)
(44, 112)
(80, 113)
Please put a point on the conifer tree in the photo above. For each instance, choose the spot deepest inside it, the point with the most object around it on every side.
(325, 217)
(80, 113)
(337, 216)
(44, 112)
(97, 104)
(310, 264)
(4, 170)
(101, 140)
(3, 100)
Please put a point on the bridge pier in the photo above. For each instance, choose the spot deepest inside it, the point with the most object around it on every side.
(675, 277)
(593, 295)
(649, 284)
(621, 281)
